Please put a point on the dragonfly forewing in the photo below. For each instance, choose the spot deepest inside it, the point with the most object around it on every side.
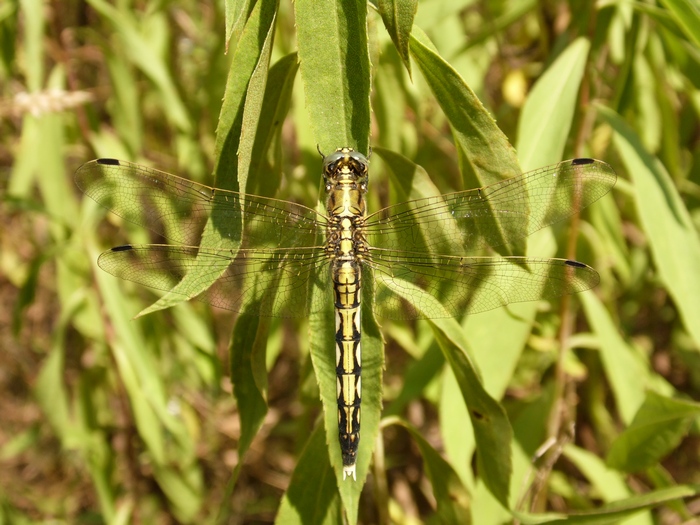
(500, 214)
(274, 257)
(177, 209)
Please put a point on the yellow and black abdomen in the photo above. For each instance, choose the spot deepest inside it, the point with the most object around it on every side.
(346, 277)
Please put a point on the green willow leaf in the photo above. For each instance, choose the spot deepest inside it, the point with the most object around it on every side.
(548, 113)
(253, 49)
(610, 484)
(671, 233)
(398, 16)
(265, 174)
(627, 375)
(488, 155)
(242, 102)
(687, 15)
(492, 429)
(312, 497)
(335, 71)
(657, 429)
(485, 154)
(249, 375)
(236, 14)
(145, 56)
(612, 512)
(253, 108)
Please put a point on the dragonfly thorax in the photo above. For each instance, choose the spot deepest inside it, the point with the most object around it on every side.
(345, 172)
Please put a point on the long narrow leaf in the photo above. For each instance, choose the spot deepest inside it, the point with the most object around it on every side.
(671, 233)
(335, 71)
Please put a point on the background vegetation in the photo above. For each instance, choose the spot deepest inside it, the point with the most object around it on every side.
(109, 419)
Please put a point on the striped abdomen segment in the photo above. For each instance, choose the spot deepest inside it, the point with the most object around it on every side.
(346, 290)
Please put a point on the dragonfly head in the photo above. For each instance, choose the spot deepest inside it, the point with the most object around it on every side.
(345, 167)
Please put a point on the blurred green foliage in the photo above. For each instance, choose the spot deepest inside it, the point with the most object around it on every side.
(111, 419)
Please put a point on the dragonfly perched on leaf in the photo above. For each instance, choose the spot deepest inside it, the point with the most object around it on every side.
(278, 249)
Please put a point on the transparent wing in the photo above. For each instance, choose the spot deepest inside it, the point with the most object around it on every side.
(407, 284)
(499, 214)
(177, 208)
(277, 281)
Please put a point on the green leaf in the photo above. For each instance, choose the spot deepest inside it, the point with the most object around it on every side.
(252, 53)
(146, 57)
(247, 351)
(236, 13)
(612, 512)
(242, 103)
(184, 493)
(457, 430)
(249, 373)
(487, 154)
(492, 429)
(609, 483)
(311, 497)
(671, 233)
(687, 16)
(548, 112)
(410, 179)
(51, 394)
(628, 376)
(136, 370)
(127, 116)
(335, 71)
(451, 496)
(390, 99)
(33, 13)
(418, 375)
(412, 182)
(265, 175)
(253, 108)
(658, 427)
(397, 16)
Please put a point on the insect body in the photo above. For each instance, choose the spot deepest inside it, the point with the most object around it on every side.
(269, 252)
(345, 174)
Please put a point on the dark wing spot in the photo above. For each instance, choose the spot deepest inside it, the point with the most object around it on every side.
(575, 264)
(122, 248)
(109, 162)
(579, 162)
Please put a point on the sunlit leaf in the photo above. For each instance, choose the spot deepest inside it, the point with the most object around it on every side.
(657, 428)
(672, 236)
(335, 71)
(398, 20)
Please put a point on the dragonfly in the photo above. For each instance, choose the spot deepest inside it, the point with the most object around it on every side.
(413, 254)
